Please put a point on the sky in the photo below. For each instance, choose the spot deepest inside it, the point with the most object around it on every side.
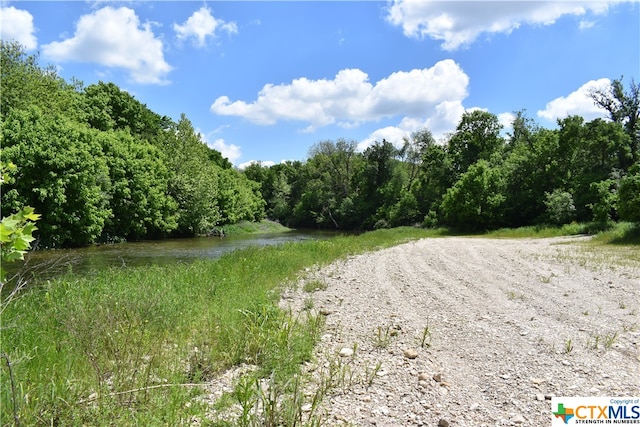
(265, 81)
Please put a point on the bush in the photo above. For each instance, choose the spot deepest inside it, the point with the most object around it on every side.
(560, 207)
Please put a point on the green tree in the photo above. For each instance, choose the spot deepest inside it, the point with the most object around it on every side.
(138, 192)
(560, 207)
(623, 107)
(193, 179)
(25, 84)
(110, 108)
(477, 137)
(63, 174)
(532, 169)
(629, 195)
(476, 201)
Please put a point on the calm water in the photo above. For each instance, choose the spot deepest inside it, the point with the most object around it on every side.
(51, 263)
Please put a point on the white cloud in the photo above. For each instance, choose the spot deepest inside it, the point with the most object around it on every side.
(114, 38)
(17, 25)
(445, 119)
(203, 24)
(576, 103)
(459, 23)
(350, 99)
(267, 163)
(230, 151)
(506, 120)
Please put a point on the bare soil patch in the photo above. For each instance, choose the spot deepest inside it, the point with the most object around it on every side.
(498, 326)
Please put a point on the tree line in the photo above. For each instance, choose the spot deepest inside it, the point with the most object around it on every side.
(477, 179)
(100, 166)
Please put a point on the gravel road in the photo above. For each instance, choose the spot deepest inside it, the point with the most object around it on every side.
(473, 331)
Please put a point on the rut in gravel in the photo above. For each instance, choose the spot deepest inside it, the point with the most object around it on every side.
(498, 327)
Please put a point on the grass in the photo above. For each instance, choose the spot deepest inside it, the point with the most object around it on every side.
(249, 227)
(136, 346)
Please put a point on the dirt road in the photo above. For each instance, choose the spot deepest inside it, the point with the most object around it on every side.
(496, 328)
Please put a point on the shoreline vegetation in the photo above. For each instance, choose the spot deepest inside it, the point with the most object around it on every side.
(140, 346)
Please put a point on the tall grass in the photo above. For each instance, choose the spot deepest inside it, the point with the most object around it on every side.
(135, 346)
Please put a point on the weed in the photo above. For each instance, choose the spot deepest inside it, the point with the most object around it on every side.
(622, 305)
(425, 340)
(382, 337)
(593, 342)
(308, 304)
(568, 345)
(610, 339)
(370, 374)
(314, 285)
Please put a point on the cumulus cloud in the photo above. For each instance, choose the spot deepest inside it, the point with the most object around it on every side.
(203, 24)
(230, 151)
(576, 103)
(115, 38)
(350, 99)
(17, 25)
(443, 121)
(458, 23)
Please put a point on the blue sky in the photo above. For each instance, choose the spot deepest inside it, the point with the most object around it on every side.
(264, 81)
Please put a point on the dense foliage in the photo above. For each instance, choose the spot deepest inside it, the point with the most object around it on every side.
(98, 165)
(478, 178)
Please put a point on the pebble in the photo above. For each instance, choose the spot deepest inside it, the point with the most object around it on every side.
(307, 407)
(518, 419)
(423, 377)
(346, 352)
(443, 423)
(410, 353)
(437, 378)
(540, 397)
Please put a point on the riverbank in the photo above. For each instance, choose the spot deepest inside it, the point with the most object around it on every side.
(131, 345)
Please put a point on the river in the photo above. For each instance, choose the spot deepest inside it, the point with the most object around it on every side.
(47, 264)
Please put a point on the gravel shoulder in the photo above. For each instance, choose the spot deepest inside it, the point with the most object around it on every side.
(506, 324)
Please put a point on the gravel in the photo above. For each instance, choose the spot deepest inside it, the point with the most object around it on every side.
(472, 331)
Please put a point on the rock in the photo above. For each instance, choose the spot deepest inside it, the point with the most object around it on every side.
(410, 353)
(437, 378)
(346, 352)
(423, 377)
(443, 423)
(518, 419)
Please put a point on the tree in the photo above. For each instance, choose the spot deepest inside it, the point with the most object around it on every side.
(629, 196)
(110, 108)
(623, 107)
(477, 137)
(25, 84)
(138, 191)
(476, 201)
(560, 207)
(63, 174)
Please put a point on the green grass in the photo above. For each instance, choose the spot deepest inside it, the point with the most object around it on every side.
(248, 227)
(134, 346)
